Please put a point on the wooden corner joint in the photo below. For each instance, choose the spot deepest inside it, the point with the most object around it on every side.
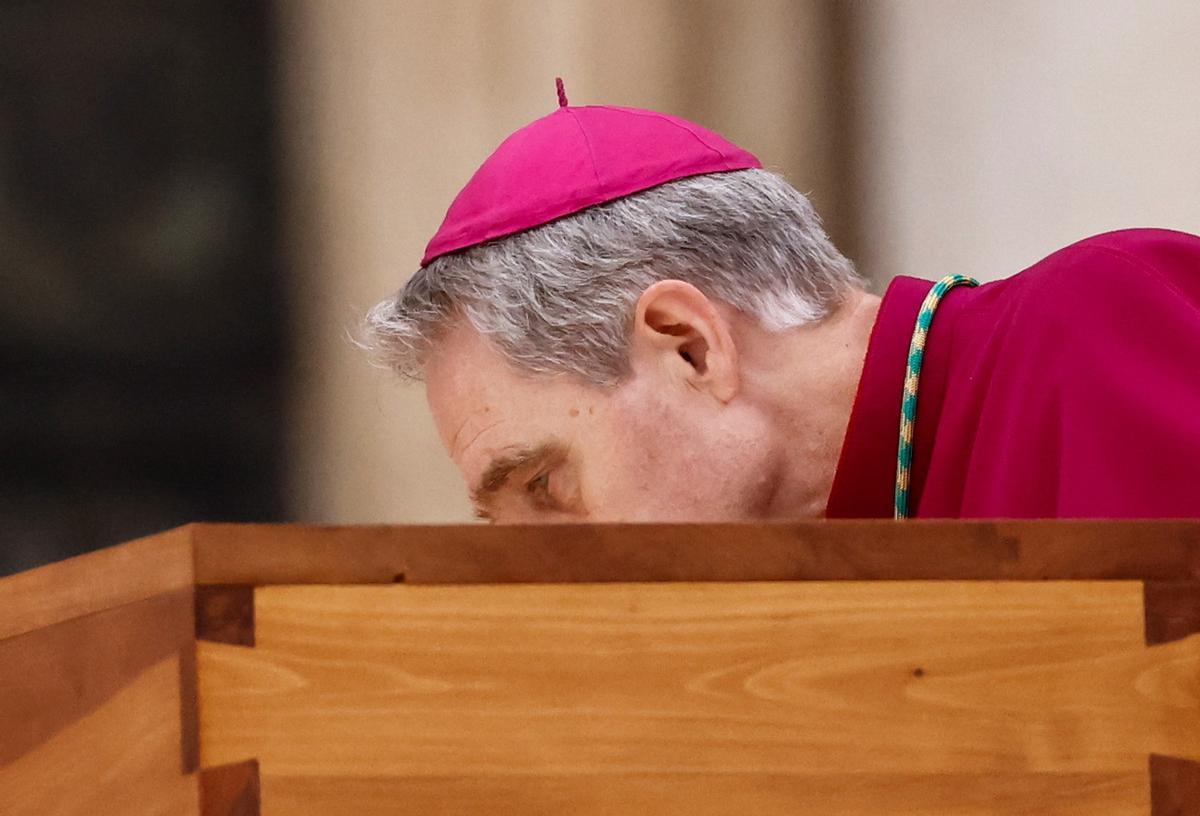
(1174, 786)
(1172, 610)
(225, 613)
(230, 790)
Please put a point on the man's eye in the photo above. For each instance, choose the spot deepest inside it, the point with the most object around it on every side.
(539, 485)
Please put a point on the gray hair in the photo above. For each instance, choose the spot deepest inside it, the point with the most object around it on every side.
(560, 298)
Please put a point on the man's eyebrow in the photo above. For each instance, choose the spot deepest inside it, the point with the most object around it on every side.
(495, 476)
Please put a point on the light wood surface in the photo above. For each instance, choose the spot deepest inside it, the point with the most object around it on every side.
(122, 758)
(97, 683)
(95, 581)
(605, 670)
(707, 794)
(52, 677)
(1042, 696)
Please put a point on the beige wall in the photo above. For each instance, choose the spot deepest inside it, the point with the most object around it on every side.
(391, 106)
(994, 133)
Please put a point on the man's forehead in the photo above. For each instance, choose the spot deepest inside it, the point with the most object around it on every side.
(461, 363)
(463, 390)
(471, 389)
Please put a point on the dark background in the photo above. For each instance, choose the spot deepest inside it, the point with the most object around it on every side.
(141, 311)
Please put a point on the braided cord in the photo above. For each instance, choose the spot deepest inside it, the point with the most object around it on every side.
(912, 378)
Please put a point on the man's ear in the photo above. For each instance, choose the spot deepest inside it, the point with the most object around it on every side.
(679, 332)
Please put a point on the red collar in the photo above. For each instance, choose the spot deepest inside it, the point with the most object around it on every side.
(865, 482)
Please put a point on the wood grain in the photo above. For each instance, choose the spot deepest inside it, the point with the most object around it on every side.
(52, 677)
(819, 550)
(254, 554)
(121, 758)
(851, 668)
(95, 581)
(900, 686)
(1115, 794)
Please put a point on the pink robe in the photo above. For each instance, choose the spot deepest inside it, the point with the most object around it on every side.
(1069, 390)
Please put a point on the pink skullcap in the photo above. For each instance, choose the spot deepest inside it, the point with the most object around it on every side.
(573, 159)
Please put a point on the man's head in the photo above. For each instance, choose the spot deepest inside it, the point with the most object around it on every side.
(617, 363)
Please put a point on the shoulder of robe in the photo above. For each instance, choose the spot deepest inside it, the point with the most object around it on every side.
(1105, 276)
(1121, 264)
(1067, 313)
(1114, 309)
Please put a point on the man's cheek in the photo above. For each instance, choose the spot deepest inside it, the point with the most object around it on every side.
(617, 481)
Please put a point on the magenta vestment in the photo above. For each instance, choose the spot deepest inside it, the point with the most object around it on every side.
(1069, 390)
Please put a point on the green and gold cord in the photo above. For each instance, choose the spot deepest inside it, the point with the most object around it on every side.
(912, 378)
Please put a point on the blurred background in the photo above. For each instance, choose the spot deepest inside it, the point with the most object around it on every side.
(199, 200)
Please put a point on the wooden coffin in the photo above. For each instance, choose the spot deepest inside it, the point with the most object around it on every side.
(811, 668)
